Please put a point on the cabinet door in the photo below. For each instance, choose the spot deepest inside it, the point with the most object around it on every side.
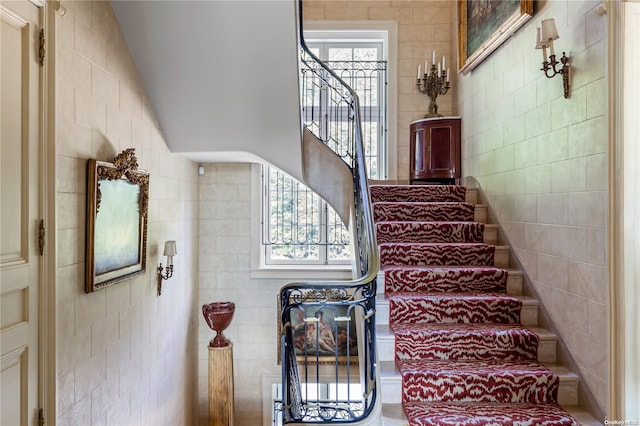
(441, 152)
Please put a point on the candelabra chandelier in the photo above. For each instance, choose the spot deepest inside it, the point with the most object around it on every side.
(433, 83)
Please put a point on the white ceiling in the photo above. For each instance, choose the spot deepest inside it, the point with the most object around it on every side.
(221, 75)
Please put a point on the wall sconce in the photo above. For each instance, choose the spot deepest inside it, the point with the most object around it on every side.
(545, 34)
(169, 251)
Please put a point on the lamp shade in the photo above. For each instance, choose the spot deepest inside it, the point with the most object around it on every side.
(539, 43)
(170, 248)
(548, 30)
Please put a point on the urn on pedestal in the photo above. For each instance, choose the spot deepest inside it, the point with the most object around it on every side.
(218, 316)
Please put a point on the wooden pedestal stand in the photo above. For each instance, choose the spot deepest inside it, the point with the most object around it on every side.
(221, 386)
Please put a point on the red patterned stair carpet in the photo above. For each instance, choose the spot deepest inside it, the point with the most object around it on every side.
(462, 353)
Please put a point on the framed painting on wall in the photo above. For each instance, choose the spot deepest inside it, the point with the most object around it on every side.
(483, 25)
(117, 205)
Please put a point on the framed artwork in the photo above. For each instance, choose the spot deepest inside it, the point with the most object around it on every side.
(323, 333)
(117, 205)
(483, 25)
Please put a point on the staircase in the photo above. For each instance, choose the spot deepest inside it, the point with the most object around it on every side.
(458, 344)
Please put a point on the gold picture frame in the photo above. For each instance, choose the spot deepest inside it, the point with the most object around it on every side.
(117, 207)
(483, 25)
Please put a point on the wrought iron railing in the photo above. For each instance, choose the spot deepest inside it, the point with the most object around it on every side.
(369, 80)
(328, 341)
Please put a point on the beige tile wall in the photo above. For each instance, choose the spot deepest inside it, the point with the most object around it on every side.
(225, 264)
(543, 161)
(423, 26)
(125, 355)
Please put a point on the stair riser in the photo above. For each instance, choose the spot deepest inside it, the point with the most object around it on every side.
(501, 257)
(518, 346)
(429, 232)
(417, 193)
(547, 350)
(423, 212)
(514, 284)
(480, 214)
(471, 196)
(490, 235)
(495, 387)
(392, 391)
(568, 393)
(529, 314)
(473, 414)
(444, 280)
(479, 310)
(441, 255)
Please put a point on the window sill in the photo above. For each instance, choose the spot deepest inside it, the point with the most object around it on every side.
(303, 272)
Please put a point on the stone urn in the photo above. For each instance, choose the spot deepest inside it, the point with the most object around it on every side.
(218, 316)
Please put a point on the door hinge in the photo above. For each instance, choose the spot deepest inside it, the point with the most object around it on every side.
(41, 234)
(42, 47)
(41, 417)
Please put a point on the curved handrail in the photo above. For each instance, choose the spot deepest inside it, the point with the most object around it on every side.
(357, 295)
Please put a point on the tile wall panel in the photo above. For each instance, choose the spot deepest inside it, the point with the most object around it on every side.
(125, 355)
(551, 197)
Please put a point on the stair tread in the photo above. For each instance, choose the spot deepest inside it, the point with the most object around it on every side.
(438, 222)
(498, 247)
(459, 327)
(389, 369)
(439, 296)
(475, 366)
(423, 211)
(385, 332)
(463, 413)
(425, 231)
(450, 268)
(418, 192)
(385, 297)
(394, 415)
(430, 203)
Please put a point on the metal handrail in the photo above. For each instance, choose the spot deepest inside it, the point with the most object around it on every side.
(303, 359)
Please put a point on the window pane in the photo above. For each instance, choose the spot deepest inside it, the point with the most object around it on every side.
(365, 54)
(371, 142)
(337, 237)
(294, 219)
(340, 54)
(295, 229)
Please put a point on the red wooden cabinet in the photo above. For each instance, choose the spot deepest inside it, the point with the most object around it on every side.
(435, 150)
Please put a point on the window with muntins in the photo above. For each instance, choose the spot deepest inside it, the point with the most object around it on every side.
(298, 226)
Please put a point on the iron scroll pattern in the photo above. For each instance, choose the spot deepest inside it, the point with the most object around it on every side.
(125, 165)
(336, 123)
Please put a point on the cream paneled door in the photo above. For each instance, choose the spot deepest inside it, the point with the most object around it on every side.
(19, 158)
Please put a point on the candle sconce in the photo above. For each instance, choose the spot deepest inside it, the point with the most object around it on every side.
(545, 34)
(434, 82)
(169, 251)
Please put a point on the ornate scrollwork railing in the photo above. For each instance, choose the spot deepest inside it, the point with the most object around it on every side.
(328, 348)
